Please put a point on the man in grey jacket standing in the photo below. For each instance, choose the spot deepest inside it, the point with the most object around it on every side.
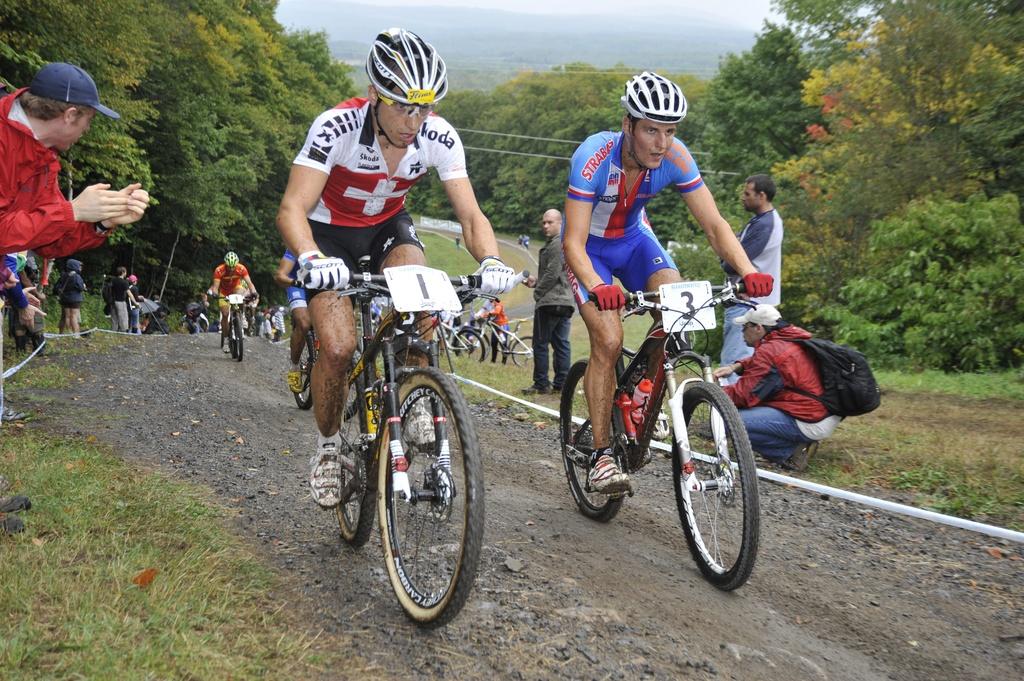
(552, 316)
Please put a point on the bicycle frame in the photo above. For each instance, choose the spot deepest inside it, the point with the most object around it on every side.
(664, 379)
(381, 392)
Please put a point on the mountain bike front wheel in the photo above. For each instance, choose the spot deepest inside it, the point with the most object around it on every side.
(432, 543)
(718, 499)
(235, 337)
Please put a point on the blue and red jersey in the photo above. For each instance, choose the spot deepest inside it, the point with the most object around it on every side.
(597, 177)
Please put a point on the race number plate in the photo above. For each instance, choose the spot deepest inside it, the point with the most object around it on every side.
(415, 288)
(682, 299)
(235, 299)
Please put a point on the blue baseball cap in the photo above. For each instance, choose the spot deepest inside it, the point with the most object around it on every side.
(69, 83)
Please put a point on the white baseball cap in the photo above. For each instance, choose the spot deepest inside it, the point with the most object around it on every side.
(765, 315)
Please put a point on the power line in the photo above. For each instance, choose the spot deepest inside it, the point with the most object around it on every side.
(547, 139)
(519, 153)
(568, 158)
(543, 69)
(524, 137)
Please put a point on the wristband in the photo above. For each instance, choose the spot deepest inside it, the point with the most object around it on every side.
(101, 229)
(489, 260)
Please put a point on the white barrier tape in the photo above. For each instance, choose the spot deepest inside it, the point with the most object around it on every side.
(71, 335)
(882, 504)
(17, 367)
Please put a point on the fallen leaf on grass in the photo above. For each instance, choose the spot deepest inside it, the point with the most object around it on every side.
(541, 425)
(144, 578)
(239, 441)
(995, 552)
(37, 541)
(176, 433)
(91, 439)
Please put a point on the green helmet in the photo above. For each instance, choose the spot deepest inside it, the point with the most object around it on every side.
(231, 259)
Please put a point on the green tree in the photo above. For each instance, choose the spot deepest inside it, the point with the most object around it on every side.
(753, 110)
(894, 113)
(941, 287)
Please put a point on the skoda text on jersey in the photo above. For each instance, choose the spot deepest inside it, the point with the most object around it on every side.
(359, 191)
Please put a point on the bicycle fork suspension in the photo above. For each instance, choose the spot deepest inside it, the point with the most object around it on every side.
(690, 480)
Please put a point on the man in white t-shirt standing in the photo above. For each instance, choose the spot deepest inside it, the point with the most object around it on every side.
(761, 239)
(345, 199)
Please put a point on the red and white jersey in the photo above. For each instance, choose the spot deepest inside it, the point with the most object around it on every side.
(359, 191)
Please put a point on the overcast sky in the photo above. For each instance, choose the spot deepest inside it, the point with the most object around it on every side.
(740, 13)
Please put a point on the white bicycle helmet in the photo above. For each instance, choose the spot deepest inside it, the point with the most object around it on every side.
(655, 98)
(406, 68)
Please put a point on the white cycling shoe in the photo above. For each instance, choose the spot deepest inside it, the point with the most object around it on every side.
(325, 474)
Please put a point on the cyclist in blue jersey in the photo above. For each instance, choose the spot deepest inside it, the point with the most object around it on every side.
(607, 234)
(287, 271)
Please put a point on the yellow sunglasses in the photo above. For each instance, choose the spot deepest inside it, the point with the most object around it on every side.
(412, 110)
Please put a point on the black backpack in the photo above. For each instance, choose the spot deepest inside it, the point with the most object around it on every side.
(849, 386)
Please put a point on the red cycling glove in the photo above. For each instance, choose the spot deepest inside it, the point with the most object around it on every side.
(608, 297)
(758, 284)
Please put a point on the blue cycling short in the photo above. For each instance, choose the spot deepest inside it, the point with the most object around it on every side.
(296, 297)
(632, 258)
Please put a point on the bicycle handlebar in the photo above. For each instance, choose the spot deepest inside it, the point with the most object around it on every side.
(462, 281)
(641, 299)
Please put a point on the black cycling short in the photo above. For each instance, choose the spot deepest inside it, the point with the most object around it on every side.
(351, 243)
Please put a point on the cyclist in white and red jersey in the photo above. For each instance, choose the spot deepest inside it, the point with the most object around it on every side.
(346, 199)
(607, 234)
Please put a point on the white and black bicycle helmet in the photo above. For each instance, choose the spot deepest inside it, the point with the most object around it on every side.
(654, 98)
(406, 68)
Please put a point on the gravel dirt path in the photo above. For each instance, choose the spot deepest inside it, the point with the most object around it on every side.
(839, 592)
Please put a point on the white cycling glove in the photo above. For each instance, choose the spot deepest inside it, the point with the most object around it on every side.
(317, 271)
(495, 276)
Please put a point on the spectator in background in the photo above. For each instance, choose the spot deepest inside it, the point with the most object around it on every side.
(784, 425)
(761, 239)
(21, 298)
(31, 277)
(133, 304)
(494, 311)
(23, 333)
(121, 297)
(552, 316)
(36, 122)
(70, 292)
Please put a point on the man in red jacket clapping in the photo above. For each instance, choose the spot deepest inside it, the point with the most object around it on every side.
(36, 122)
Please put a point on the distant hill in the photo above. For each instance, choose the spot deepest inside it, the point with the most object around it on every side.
(485, 47)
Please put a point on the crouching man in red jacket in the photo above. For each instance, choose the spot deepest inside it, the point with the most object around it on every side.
(784, 425)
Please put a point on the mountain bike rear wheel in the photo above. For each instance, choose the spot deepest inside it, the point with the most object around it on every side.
(718, 506)
(355, 514)
(304, 398)
(520, 352)
(432, 544)
(577, 440)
